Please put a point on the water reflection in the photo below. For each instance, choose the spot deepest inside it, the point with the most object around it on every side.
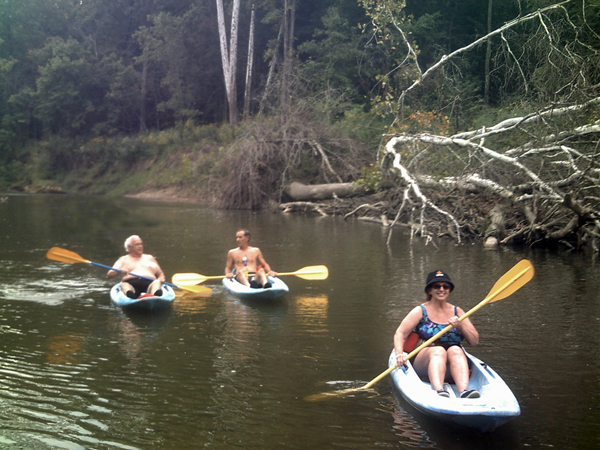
(408, 430)
(65, 348)
(235, 383)
(310, 312)
(418, 430)
(136, 330)
(192, 303)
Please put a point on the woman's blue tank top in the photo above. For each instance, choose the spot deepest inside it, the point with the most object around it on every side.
(426, 329)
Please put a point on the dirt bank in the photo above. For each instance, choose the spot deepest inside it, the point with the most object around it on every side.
(172, 194)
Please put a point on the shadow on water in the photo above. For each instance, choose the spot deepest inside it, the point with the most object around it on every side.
(277, 306)
(271, 306)
(416, 429)
(148, 320)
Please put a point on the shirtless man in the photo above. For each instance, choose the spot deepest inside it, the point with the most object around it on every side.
(140, 264)
(251, 269)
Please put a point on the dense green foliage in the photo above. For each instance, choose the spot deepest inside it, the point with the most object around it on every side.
(76, 71)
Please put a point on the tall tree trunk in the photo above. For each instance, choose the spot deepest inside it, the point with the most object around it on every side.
(288, 46)
(149, 7)
(248, 91)
(229, 55)
(272, 68)
(488, 55)
(144, 92)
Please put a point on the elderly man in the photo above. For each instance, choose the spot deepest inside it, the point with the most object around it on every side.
(250, 266)
(141, 264)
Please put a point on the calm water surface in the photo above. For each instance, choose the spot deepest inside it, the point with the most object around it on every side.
(219, 373)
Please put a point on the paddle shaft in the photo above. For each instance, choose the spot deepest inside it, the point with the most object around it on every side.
(308, 273)
(130, 273)
(495, 294)
(185, 288)
(297, 273)
(278, 275)
(67, 256)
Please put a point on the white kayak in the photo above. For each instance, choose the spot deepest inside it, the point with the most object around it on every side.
(496, 406)
(145, 302)
(277, 289)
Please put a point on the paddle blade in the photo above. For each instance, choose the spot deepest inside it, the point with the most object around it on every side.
(188, 278)
(312, 273)
(512, 281)
(62, 255)
(330, 395)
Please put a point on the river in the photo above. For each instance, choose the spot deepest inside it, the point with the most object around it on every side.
(220, 373)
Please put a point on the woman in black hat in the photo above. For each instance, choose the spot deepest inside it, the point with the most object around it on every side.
(445, 355)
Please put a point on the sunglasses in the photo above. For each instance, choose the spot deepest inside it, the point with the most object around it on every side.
(440, 286)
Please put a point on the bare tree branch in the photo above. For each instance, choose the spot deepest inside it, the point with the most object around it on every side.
(475, 44)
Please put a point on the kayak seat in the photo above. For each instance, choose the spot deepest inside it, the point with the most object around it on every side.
(411, 343)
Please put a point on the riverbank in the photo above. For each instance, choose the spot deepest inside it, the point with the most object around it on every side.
(171, 194)
(249, 167)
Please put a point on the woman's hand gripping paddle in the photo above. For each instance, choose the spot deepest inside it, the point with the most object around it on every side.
(66, 256)
(510, 282)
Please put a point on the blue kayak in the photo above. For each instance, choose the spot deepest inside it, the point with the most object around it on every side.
(496, 406)
(145, 302)
(277, 289)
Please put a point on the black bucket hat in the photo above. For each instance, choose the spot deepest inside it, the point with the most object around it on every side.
(438, 276)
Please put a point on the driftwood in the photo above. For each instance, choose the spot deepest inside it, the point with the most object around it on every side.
(302, 207)
(302, 192)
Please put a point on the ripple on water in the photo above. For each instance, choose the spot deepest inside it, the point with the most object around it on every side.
(48, 284)
(42, 405)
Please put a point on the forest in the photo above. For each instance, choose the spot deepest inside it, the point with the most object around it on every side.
(471, 120)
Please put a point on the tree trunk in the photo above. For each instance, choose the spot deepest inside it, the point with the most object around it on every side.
(272, 68)
(143, 94)
(302, 192)
(149, 8)
(248, 91)
(289, 15)
(229, 55)
(488, 54)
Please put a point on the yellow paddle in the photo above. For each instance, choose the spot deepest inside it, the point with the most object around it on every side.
(511, 281)
(67, 256)
(307, 273)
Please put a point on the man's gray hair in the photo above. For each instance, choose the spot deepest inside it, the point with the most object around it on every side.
(128, 241)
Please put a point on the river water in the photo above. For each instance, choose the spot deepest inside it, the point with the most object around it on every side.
(219, 373)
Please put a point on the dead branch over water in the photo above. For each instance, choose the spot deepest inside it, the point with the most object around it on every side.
(543, 192)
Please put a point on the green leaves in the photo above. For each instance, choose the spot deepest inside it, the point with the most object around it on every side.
(70, 87)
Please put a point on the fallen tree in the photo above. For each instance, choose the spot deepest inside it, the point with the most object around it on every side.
(530, 180)
(543, 192)
(548, 189)
(300, 192)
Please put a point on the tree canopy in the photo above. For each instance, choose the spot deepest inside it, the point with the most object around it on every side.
(118, 66)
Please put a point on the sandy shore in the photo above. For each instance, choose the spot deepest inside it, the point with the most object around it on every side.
(171, 195)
